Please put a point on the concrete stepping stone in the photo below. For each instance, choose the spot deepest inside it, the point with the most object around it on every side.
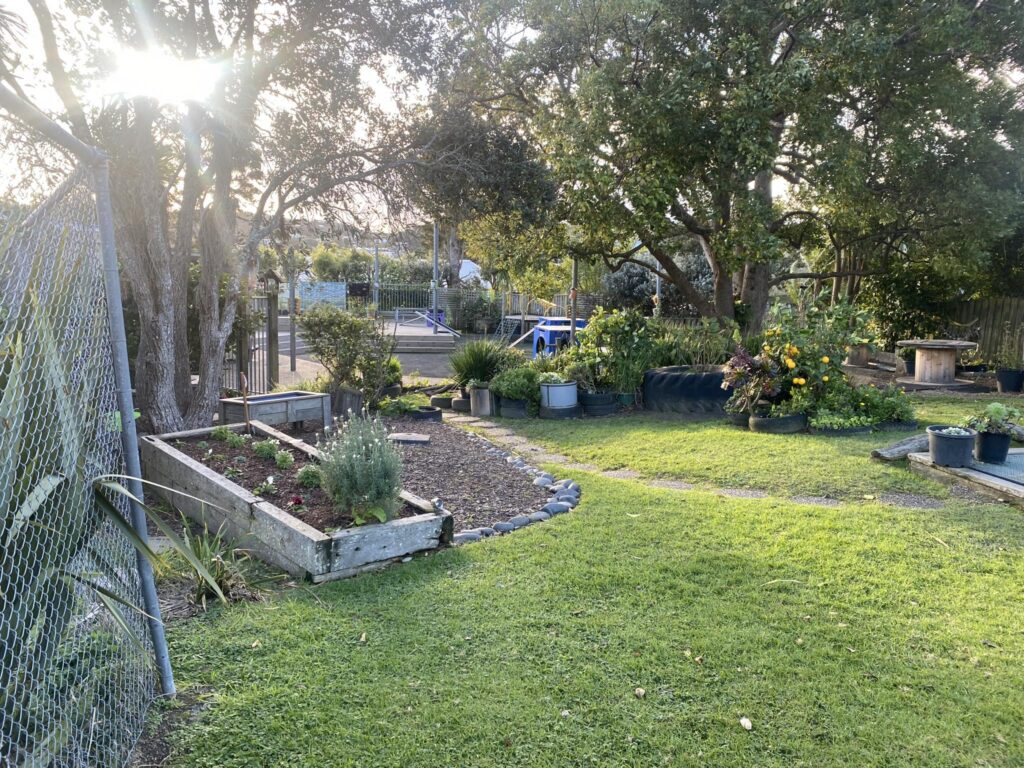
(412, 438)
(581, 467)
(621, 474)
(742, 493)
(672, 485)
(817, 501)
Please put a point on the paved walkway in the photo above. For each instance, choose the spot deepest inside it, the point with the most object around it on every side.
(537, 454)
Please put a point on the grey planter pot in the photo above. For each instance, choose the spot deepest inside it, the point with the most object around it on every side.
(950, 450)
(480, 402)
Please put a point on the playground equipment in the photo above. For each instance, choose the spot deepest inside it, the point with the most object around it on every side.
(551, 334)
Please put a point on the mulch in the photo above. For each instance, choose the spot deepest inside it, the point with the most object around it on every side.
(478, 488)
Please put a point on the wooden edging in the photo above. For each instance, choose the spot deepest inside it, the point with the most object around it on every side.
(990, 485)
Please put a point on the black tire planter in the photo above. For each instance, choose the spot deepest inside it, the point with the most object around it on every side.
(840, 431)
(684, 389)
(513, 409)
(950, 450)
(904, 426)
(779, 425)
(460, 404)
(739, 419)
(991, 448)
(573, 412)
(441, 401)
(426, 413)
(598, 403)
(391, 390)
(1009, 380)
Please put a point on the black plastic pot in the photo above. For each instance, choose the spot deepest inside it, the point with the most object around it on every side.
(950, 450)
(513, 409)
(598, 403)
(441, 401)
(1009, 380)
(626, 399)
(978, 368)
(460, 404)
(911, 365)
(426, 413)
(739, 419)
(991, 448)
(684, 389)
(391, 390)
(778, 425)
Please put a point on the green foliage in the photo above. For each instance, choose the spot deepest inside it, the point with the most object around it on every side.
(620, 345)
(707, 342)
(236, 440)
(221, 433)
(284, 460)
(1011, 348)
(354, 349)
(482, 361)
(224, 563)
(360, 470)
(997, 419)
(836, 421)
(267, 488)
(519, 383)
(403, 404)
(266, 449)
(393, 372)
(333, 263)
(309, 476)
(316, 384)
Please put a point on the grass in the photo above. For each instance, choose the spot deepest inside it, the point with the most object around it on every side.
(715, 454)
(863, 634)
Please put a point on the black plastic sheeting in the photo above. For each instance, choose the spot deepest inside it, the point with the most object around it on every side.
(681, 389)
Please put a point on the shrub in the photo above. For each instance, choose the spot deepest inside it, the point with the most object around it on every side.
(403, 404)
(284, 460)
(360, 470)
(521, 383)
(309, 476)
(392, 372)
(221, 561)
(996, 419)
(705, 343)
(265, 449)
(354, 349)
(480, 360)
(621, 345)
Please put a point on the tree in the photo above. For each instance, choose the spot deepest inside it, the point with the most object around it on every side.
(665, 121)
(331, 262)
(275, 138)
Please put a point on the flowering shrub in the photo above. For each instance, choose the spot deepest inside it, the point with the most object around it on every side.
(753, 380)
(361, 471)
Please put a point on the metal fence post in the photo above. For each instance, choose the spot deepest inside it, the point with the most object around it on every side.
(126, 407)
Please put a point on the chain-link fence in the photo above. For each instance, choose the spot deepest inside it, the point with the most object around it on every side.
(76, 668)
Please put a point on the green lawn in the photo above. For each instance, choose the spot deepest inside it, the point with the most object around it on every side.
(863, 634)
(714, 454)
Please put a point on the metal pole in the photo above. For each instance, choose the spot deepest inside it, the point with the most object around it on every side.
(376, 274)
(572, 300)
(433, 283)
(291, 318)
(129, 439)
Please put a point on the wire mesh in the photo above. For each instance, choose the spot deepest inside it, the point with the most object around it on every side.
(76, 674)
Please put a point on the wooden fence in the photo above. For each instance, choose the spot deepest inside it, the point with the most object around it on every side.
(986, 321)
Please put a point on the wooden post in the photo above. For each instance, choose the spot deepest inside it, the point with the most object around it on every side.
(273, 341)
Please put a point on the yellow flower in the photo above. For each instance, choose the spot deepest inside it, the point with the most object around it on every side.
(862, 405)
(798, 381)
(790, 363)
(825, 360)
(824, 378)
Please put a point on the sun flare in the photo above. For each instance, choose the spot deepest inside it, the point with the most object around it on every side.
(159, 75)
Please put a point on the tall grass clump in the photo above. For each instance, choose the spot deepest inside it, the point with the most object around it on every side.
(361, 471)
(482, 361)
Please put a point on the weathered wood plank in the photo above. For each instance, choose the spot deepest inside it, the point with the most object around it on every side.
(902, 449)
(355, 547)
(416, 502)
(990, 485)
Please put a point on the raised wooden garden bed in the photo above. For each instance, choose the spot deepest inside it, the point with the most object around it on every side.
(274, 535)
(278, 408)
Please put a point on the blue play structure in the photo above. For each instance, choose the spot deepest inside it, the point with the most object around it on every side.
(551, 334)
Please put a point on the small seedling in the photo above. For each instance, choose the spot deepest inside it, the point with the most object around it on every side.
(218, 457)
(309, 476)
(265, 449)
(266, 488)
(202, 445)
(221, 433)
(235, 440)
(232, 473)
(284, 460)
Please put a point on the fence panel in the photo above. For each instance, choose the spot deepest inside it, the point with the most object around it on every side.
(249, 348)
(76, 671)
(986, 322)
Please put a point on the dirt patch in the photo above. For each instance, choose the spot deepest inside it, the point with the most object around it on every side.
(165, 717)
(244, 467)
(477, 487)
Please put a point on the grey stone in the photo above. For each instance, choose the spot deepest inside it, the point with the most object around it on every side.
(564, 498)
(564, 483)
(504, 527)
(539, 517)
(556, 507)
(465, 537)
(486, 531)
(520, 521)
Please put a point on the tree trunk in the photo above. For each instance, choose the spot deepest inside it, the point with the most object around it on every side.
(456, 251)
(756, 274)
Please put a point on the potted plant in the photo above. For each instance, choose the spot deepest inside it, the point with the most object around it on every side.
(994, 426)
(479, 362)
(950, 446)
(519, 390)
(557, 392)
(590, 389)
(480, 400)
(784, 418)
(1009, 361)
(754, 380)
(689, 377)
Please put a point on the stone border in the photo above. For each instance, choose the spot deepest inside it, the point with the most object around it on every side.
(565, 495)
